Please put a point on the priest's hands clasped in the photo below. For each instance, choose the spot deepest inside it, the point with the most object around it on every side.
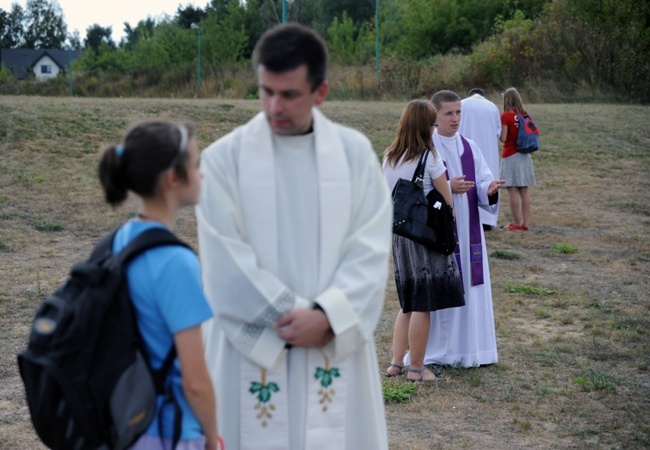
(305, 328)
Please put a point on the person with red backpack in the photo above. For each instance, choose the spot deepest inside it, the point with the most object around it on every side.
(516, 164)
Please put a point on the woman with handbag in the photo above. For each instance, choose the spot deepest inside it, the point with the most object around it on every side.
(516, 167)
(426, 280)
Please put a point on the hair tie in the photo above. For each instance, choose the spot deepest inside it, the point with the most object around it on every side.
(184, 138)
(119, 150)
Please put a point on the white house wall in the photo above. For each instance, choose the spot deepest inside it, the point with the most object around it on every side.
(46, 61)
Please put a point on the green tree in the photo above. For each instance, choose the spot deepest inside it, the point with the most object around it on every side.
(509, 56)
(604, 44)
(616, 40)
(4, 24)
(224, 35)
(221, 8)
(168, 51)
(321, 14)
(186, 16)
(431, 27)
(74, 41)
(348, 44)
(143, 29)
(96, 35)
(44, 25)
(11, 27)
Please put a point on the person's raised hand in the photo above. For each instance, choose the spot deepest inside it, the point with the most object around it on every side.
(495, 186)
(459, 185)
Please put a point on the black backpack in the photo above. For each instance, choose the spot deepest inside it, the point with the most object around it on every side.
(86, 373)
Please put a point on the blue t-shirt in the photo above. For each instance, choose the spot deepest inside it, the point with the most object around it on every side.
(165, 286)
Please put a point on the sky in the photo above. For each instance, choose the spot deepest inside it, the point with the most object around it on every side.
(80, 14)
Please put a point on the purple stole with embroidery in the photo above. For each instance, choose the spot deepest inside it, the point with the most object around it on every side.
(475, 241)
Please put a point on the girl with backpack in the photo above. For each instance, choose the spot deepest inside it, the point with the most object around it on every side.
(159, 162)
(516, 168)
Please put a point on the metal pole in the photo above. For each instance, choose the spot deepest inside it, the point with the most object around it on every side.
(284, 11)
(377, 36)
(198, 71)
(199, 75)
(70, 68)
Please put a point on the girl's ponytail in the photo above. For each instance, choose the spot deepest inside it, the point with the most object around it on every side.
(150, 148)
(112, 175)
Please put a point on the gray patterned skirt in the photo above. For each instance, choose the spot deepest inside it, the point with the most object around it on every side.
(518, 170)
(426, 280)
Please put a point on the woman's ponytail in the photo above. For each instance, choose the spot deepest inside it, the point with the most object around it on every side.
(112, 175)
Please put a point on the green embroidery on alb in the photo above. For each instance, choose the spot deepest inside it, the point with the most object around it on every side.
(326, 377)
(263, 391)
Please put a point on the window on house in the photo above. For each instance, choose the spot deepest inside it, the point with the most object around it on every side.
(46, 69)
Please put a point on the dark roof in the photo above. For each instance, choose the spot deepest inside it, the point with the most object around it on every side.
(19, 61)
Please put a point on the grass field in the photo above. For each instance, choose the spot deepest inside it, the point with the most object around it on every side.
(571, 296)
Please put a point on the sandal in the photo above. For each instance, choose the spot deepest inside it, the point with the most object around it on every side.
(420, 371)
(513, 227)
(436, 370)
(401, 370)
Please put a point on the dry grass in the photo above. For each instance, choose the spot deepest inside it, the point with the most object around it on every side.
(573, 333)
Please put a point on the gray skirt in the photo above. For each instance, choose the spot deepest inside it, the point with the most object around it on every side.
(426, 280)
(518, 170)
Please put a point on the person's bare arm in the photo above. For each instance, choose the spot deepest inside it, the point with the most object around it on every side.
(504, 133)
(441, 186)
(196, 382)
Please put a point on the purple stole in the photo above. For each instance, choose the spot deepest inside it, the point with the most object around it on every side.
(475, 241)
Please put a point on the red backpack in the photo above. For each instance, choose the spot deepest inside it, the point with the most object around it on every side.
(527, 134)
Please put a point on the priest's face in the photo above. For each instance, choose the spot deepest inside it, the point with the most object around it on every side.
(448, 118)
(287, 99)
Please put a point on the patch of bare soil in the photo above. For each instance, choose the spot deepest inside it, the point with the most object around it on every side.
(573, 329)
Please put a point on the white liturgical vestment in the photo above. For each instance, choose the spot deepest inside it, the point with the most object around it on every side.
(480, 121)
(287, 223)
(465, 336)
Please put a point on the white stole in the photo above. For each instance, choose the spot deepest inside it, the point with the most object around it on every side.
(264, 414)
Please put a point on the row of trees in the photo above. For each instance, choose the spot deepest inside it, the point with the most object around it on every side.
(414, 28)
(492, 43)
(39, 25)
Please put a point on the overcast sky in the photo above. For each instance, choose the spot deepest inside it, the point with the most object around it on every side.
(80, 14)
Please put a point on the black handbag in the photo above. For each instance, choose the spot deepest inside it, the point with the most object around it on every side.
(427, 222)
(441, 220)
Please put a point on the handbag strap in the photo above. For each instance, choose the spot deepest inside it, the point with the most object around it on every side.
(418, 175)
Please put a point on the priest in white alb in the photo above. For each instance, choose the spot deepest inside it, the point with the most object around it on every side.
(481, 122)
(465, 336)
(294, 228)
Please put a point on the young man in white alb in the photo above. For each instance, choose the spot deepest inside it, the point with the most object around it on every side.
(465, 336)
